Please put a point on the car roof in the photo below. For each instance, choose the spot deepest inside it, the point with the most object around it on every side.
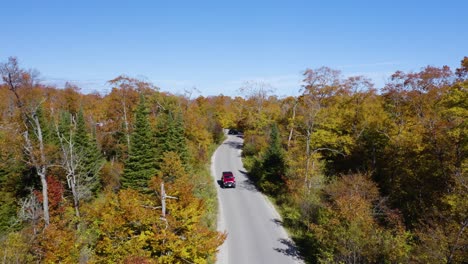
(227, 173)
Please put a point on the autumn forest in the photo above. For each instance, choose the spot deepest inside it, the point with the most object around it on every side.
(359, 174)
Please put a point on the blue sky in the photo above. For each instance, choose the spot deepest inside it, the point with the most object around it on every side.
(216, 46)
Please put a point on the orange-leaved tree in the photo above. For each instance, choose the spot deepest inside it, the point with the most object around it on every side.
(355, 226)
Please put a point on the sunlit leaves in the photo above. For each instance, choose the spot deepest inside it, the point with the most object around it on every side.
(349, 229)
(129, 224)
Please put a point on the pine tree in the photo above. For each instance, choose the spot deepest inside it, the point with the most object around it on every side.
(170, 136)
(81, 159)
(92, 160)
(140, 165)
(273, 164)
(47, 130)
(90, 157)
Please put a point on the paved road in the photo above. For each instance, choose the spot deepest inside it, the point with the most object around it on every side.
(255, 234)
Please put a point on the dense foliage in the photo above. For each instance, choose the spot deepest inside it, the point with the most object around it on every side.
(371, 176)
(81, 175)
(359, 174)
(140, 165)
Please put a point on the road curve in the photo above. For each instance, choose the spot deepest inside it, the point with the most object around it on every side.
(255, 233)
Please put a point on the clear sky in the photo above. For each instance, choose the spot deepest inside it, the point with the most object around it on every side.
(216, 46)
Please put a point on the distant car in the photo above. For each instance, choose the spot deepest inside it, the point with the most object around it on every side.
(228, 179)
(233, 132)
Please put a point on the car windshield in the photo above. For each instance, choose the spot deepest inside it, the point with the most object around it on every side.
(228, 175)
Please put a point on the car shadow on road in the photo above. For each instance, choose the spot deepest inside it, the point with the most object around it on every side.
(291, 250)
(220, 183)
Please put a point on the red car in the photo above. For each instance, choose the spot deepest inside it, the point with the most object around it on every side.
(228, 179)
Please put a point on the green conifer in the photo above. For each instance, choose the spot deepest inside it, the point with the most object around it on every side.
(140, 164)
(92, 159)
(170, 136)
(273, 163)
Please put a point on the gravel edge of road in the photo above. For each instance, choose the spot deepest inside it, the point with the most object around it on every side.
(222, 256)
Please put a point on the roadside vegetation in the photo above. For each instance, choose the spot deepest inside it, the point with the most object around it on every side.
(359, 174)
(362, 175)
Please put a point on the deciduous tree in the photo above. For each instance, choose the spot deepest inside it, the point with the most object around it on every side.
(33, 130)
(80, 158)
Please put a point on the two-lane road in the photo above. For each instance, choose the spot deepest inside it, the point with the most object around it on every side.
(255, 234)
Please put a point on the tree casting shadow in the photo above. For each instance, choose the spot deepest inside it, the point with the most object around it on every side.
(233, 144)
(290, 250)
(247, 184)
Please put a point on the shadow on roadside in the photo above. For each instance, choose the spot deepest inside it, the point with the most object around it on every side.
(277, 222)
(233, 144)
(290, 250)
(247, 184)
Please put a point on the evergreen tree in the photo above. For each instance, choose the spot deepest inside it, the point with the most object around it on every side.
(11, 186)
(273, 163)
(47, 128)
(92, 159)
(81, 159)
(86, 149)
(140, 164)
(170, 136)
(65, 124)
(81, 137)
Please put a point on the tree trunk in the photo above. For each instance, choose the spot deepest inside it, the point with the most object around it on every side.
(163, 201)
(127, 130)
(455, 246)
(76, 201)
(72, 174)
(41, 168)
(45, 198)
(292, 125)
(14, 77)
(70, 163)
(306, 178)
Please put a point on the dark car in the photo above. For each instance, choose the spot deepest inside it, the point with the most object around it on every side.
(233, 132)
(228, 179)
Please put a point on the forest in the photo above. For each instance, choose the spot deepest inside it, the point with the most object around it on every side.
(359, 174)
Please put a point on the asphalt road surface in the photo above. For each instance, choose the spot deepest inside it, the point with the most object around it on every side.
(255, 233)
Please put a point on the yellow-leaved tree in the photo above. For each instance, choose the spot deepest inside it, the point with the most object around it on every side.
(131, 226)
